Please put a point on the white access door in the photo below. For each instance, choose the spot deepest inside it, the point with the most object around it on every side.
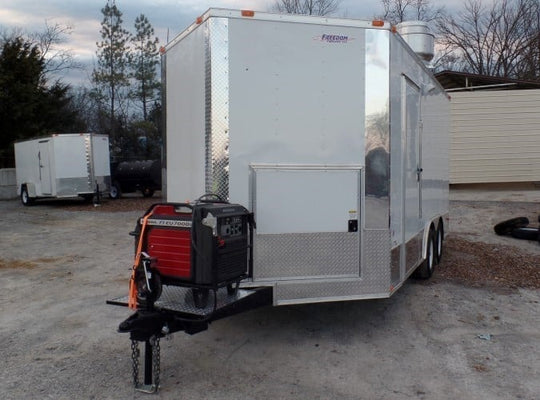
(412, 171)
(44, 167)
(307, 222)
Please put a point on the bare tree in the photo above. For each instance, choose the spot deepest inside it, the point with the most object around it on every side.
(56, 58)
(499, 41)
(307, 7)
(51, 43)
(396, 11)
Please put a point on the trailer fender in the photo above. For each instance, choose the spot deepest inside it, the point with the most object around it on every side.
(30, 189)
(430, 225)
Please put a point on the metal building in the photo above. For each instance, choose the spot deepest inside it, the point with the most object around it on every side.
(495, 129)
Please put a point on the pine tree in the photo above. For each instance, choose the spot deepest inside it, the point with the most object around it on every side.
(29, 107)
(111, 75)
(144, 63)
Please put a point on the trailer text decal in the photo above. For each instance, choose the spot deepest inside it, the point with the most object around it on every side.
(333, 38)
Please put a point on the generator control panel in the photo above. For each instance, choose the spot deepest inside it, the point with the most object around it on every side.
(231, 226)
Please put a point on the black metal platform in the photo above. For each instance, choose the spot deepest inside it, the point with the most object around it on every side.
(178, 299)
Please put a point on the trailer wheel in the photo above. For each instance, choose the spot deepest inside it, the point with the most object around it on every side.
(147, 192)
(26, 200)
(439, 238)
(114, 191)
(425, 270)
(506, 227)
(527, 233)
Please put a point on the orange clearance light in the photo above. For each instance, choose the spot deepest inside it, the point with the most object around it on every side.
(199, 20)
(248, 13)
(394, 29)
(377, 22)
(162, 49)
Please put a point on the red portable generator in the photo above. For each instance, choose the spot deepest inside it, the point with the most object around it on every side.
(205, 245)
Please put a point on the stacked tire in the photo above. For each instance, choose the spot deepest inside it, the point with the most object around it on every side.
(518, 228)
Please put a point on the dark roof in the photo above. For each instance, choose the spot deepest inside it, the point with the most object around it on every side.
(461, 81)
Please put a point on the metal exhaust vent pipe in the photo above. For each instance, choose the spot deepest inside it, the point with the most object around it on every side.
(418, 37)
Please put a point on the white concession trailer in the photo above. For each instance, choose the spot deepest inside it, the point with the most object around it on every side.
(331, 131)
(62, 166)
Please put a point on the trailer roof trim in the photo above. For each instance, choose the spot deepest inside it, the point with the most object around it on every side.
(264, 16)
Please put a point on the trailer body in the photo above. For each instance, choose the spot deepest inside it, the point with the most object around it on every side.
(331, 131)
(62, 166)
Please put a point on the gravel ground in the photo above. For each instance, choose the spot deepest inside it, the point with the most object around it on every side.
(469, 332)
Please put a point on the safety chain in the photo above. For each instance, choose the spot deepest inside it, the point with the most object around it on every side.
(135, 353)
(156, 359)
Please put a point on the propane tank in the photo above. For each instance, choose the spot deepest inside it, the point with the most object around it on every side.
(418, 37)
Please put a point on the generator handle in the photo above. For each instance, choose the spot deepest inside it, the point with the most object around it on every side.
(188, 205)
(205, 198)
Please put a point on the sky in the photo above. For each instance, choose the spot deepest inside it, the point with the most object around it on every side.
(168, 17)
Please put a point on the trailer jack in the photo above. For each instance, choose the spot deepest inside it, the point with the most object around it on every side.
(151, 365)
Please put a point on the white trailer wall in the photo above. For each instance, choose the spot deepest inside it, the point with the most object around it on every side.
(186, 79)
(418, 156)
(495, 136)
(282, 114)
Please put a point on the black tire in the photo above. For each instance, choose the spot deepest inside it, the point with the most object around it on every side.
(506, 227)
(200, 297)
(147, 192)
(439, 241)
(527, 233)
(425, 270)
(114, 191)
(88, 197)
(26, 200)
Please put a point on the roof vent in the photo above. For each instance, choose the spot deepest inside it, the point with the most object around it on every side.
(418, 37)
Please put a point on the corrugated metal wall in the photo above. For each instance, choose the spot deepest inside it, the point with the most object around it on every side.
(495, 136)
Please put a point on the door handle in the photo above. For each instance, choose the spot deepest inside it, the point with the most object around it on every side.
(418, 173)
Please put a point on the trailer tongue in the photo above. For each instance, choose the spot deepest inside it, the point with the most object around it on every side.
(189, 261)
(175, 311)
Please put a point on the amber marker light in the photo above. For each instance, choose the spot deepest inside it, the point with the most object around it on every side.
(377, 22)
(248, 13)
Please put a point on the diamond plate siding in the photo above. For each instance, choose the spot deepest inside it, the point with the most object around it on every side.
(303, 255)
(376, 262)
(307, 292)
(396, 265)
(217, 107)
(72, 186)
(89, 160)
(413, 251)
(373, 283)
